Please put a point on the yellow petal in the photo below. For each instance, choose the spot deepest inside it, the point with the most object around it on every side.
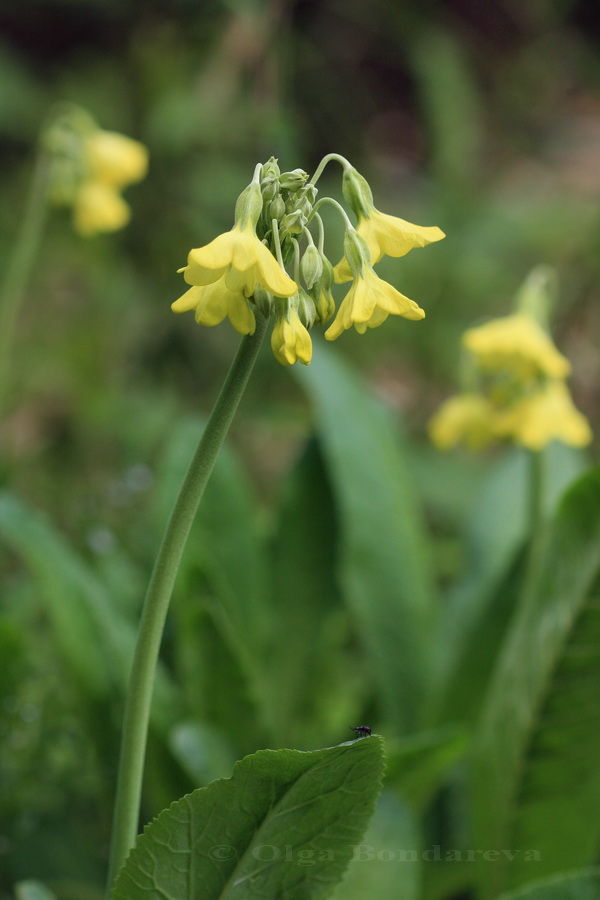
(393, 236)
(465, 419)
(391, 300)
(241, 255)
(519, 343)
(216, 256)
(342, 272)
(99, 207)
(115, 159)
(549, 415)
(187, 301)
(270, 274)
(290, 340)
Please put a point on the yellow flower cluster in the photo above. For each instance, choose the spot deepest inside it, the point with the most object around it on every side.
(230, 274)
(88, 169)
(111, 161)
(522, 393)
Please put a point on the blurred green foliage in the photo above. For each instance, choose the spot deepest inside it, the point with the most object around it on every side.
(483, 119)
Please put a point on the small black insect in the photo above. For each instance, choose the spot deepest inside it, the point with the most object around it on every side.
(361, 730)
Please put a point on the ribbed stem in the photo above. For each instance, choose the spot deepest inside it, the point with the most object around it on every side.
(158, 596)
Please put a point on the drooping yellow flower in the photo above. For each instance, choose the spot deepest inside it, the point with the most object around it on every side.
(468, 419)
(115, 159)
(290, 340)
(544, 416)
(241, 258)
(110, 162)
(384, 234)
(388, 236)
(516, 343)
(215, 302)
(368, 303)
(99, 207)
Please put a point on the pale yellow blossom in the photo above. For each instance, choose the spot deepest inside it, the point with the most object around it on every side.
(516, 343)
(388, 236)
(368, 303)
(215, 302)
(243, 260)
(290, 340)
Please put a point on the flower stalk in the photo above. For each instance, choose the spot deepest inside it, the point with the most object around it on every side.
(158, 596)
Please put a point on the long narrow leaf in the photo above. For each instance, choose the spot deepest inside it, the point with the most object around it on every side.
(384, 567)
(536, 792)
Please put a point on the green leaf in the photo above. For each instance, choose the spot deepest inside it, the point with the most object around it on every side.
(536, 777)
(417, 765)
(384, 568)
(583, 884)
(225, 544)
(88, 627)
(284, 824)
(315, 683)
(387, 862)
(202, 751)
(478, 610)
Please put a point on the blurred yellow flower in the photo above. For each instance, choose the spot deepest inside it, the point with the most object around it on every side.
(99, 207)
(388, 235)
(519, 379)
(109, 162)
(467, 419)
(215, 302)
(368, 303)
(115, 159)
(290, 340)
(544, 416)
(243, 260)
(516, 343)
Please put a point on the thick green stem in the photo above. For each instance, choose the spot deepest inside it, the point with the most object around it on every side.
(20, 264)
(156, 604)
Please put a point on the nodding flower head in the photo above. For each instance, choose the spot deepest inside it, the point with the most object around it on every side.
(273, 263)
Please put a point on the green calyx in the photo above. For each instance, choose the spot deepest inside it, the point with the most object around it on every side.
(357, 193)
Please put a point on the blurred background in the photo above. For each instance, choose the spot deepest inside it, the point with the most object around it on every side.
(481, 118)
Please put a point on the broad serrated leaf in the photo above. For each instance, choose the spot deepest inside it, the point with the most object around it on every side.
(387, 862)
(583, 884)
(284, 824)
(536, 772)
(384, 568)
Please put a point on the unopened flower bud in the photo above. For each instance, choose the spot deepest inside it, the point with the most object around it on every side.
(311, 265)
(270, 171)
(293, 181)
(307, 312)
(263, 300)
(321, 292)
(294, 222)
(357, 192)
(277, 209)
(309, 191)
(269, 190)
